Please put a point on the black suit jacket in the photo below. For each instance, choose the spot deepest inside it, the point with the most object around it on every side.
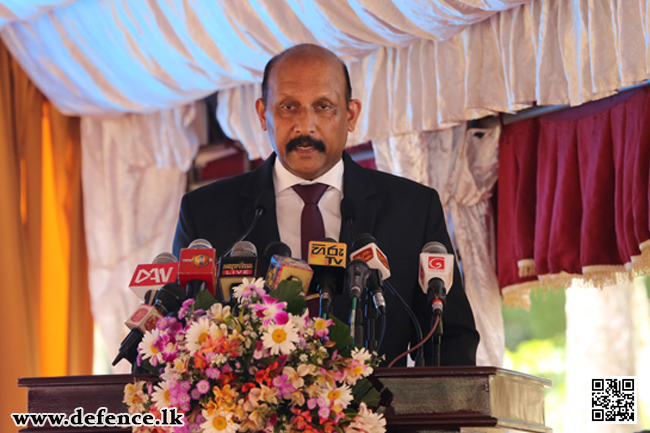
(401, 214)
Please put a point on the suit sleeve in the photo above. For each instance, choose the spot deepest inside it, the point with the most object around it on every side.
(460, 338)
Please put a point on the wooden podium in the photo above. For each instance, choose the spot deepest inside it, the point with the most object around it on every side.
(424, 400)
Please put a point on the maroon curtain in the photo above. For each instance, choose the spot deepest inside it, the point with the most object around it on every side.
(573, 193)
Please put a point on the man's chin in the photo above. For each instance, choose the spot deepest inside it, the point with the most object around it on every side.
(308, 166)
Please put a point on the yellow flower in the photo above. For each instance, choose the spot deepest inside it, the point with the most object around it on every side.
(219, 422)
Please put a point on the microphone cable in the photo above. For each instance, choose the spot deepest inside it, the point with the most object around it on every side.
(417, 346)
(419, 357)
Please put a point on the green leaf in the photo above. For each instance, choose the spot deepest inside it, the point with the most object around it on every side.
(340, 334)
(290, 292)
(364, 391)
(204, 300)
(150, 368)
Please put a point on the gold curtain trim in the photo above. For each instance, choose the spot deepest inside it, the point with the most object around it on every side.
(561, 280)
(641, 264)
(518, 295)
(527, 268)
(603, 275)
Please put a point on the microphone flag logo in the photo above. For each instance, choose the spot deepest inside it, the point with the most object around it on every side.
(200, 260)
(436, 263)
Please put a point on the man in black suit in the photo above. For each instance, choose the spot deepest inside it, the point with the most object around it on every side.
(307, 110)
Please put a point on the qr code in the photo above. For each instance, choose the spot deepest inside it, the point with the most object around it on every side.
(613, 400)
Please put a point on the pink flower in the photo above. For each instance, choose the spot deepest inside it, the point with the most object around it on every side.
(271, 310)
(203, 386)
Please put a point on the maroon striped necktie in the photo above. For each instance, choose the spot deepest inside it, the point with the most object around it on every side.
(311, 220)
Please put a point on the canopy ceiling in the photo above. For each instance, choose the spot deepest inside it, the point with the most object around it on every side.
(101, 57)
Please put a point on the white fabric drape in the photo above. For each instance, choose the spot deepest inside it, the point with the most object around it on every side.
(462, 165)
(547, 52)
(93, 57)
(133, 180)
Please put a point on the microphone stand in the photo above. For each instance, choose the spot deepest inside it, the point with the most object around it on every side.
(371, 318)
(436, 338)
(437, 295)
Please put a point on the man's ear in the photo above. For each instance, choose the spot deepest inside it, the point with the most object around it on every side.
(354, 110)
(261, 112)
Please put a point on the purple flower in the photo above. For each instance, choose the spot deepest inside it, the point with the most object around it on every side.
(203, 386)
(324, 412)
(195, 394)
(213, 373)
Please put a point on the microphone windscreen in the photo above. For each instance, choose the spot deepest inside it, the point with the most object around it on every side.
(265, 200)
(362, 240)
(200, 243)
(276, 248)
(244, 249)
(170, 297)
(434, 247)
(165, 258)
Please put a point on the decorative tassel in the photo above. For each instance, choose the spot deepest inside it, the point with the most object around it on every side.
(603, 275)
(527, 268)
(641, 264)
(518, 295)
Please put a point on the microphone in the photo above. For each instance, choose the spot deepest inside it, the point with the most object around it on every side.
(197, 270)
(264, 202)
(348, 213)
(241, 264)
(357, 273)
(366, 249)
(285, 268)
(169, 298)
(436, 273)
(274, 248)
(151, 277)
(327, 258)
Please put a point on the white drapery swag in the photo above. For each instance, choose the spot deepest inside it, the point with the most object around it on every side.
(133, 180)
(94, 57)
(547, 52)
(462, 165)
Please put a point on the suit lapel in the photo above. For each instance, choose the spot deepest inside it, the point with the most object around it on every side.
(266, 229)
(360, 188)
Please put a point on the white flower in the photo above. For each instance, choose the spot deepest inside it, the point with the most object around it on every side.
(361, 354)
(198, 332)
(367, 421)
(147, 346)
(249, 288)
(219, 422)
(218, 312)
(300, 322)
(338, 397)
(280, 338)
(160, 395)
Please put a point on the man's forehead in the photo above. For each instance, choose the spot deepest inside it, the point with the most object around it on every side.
(325, 75)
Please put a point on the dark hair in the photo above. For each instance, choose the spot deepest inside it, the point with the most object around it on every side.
(274, 60)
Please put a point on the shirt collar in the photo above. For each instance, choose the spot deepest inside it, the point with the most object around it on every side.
(283, 179)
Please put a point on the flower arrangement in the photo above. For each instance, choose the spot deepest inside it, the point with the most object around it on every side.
(262, 365)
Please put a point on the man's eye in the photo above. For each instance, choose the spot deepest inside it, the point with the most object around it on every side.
(287, 106)
(324, 106)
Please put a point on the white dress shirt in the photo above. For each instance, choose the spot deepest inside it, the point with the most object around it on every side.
(288, 204)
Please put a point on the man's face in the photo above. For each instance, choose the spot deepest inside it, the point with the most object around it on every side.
(306, 115)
